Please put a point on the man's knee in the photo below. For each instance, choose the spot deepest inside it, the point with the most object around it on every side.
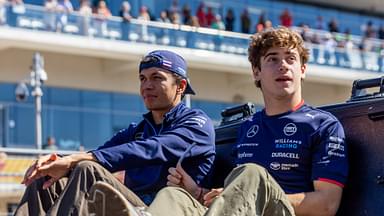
(249, 172)
(252, 170)
(86, 167)
(174, 193)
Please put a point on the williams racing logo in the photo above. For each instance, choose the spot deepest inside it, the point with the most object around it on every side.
(290, 129)
(252, 131)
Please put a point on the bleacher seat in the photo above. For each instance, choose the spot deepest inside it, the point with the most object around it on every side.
(14, 169)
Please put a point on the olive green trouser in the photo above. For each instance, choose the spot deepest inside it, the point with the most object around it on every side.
(68, 195)
(248, 190)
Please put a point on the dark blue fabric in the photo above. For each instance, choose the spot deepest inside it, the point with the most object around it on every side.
(146, 153)
(296, 147)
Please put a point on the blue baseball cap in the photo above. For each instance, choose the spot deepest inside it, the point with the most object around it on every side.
(169, 61)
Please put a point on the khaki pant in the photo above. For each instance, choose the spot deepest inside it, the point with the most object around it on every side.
(248, 190)
(68, 195)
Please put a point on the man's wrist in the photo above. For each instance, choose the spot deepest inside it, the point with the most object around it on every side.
(74, 159)
(71, 161)
(198, 193)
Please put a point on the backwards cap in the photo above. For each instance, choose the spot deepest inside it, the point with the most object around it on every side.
(169, 61)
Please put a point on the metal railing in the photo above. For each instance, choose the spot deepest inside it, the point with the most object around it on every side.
(36, 18)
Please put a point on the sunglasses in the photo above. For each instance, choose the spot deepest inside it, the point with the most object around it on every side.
(151, 59)
(155, 61)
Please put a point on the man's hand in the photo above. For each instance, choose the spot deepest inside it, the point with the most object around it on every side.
(178, 177)
(324, 200)
(32, 172)
(56, 170)
(211, 196)
(54, 167)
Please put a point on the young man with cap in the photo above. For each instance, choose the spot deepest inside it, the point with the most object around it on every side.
(291, 158)
(60, 185)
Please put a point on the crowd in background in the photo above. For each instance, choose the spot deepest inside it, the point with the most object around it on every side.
(336, 41)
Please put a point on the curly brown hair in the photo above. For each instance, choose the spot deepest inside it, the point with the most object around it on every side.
(275, 37)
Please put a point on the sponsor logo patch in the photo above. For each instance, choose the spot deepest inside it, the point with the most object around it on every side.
(285, 155)
(252, 131)
(274, 165)
(247, 145)
(244, 155)
(282, 166)
(290, 129)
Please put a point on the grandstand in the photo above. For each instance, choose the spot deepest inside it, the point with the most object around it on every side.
(92, 88)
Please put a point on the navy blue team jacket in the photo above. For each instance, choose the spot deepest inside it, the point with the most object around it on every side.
(146, 150)
(296, 147)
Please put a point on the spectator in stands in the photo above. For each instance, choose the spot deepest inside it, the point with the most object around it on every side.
(305, 33)
(380, 32)
(191, 35)
(187, 15)
(333, 26)
(3, 12)
(59, 185)
(245, 21)
(50, 14)
(364, 47)
(316, 41)
(348, 48)
(369, 30)
(320, 24)
(125, 14)
(175, 18)
(101, 21)
(17, 8)
(51, 144)
(174, 12)
(291, 158)
(63, 8)
(340, 50)
(268, 25)
(81, 148)
(95, 4)
(380, 59)
(144, 17)
(163, 34)
(286, 18)
(329, 48)
(210, 16)
(85, 11)
(200, 14)
(259, 28)
(229, 20)
(174, 8)
(260, 23)
(163, 17)
(195, 21)
(219, 25)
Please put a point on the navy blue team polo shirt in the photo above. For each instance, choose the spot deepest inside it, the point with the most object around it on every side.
(296, 147)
